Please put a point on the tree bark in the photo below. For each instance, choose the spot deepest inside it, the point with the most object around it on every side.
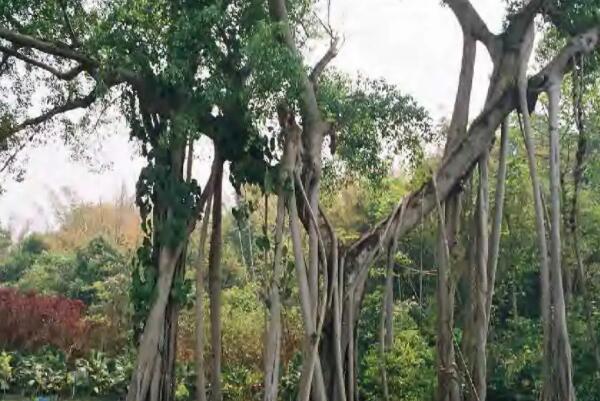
(273, 334)
(154, 376)
(214, 284)
(476, 356)
(290, 133)
(386, 335)
(559, 386)
(539, 215)
(199, 307)
(498, 215)
(448, 389)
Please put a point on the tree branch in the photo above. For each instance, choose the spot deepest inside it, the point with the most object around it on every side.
(77, 103)
(12, 157)
(3, 62)
(23, 40)
(331, 53)
(582, 44)
(111, 77)
(472, 24)
(66, 75)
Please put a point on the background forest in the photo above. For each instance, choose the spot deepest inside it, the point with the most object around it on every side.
(368, 252)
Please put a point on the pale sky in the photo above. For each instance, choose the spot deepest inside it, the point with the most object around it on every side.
(415, 44)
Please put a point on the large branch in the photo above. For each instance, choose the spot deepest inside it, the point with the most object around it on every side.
(44, 46)
(463, 158)
(329, 55)
(65, 75)
(111, 77)
(460, 114)
(472, 24)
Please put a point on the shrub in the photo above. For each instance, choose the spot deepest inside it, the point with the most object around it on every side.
(49, 372)
(44, 373)
(5, 371)
(410, 363)
(31, 321)
(515, 361)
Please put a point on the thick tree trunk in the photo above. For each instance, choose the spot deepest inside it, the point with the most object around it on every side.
(153, 378)
(214, 285)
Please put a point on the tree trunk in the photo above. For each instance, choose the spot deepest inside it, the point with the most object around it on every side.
(153, 378)
(539, 222)
(199, 307)
(214, 285)
(559, 386)
(476, 355)
(494, 247)
(386, 323)
(388, 339)
(448, 389)
(273, 333)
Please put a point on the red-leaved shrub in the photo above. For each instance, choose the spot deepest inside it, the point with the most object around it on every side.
(29, 321)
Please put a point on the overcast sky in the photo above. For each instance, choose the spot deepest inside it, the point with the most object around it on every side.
(415, 44)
